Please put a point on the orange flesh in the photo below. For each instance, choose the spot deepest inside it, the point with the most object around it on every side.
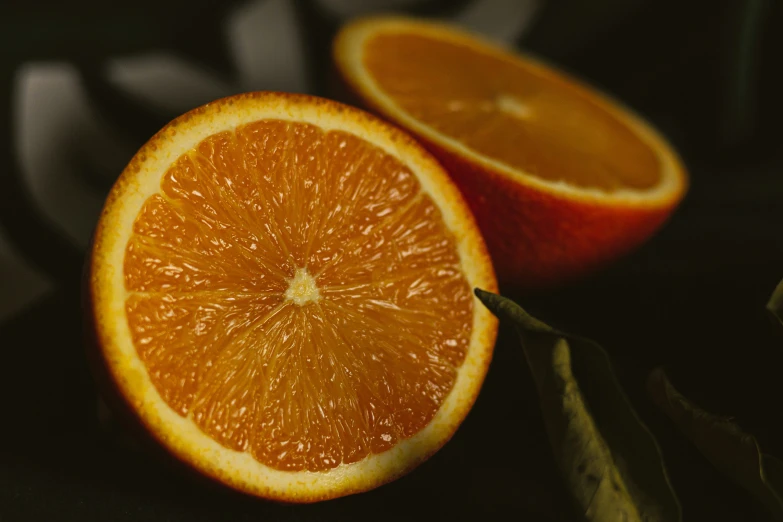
(504, 109)
(297, 295)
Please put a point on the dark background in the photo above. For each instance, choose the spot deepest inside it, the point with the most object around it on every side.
(692, 299)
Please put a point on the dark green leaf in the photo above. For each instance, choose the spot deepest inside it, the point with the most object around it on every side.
(733, 452)
(775, 304)
(609, 459)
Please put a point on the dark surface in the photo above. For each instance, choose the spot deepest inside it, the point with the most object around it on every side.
(692, 299)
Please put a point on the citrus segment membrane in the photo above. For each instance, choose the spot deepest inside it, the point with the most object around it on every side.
(509, 110)
(295, 294)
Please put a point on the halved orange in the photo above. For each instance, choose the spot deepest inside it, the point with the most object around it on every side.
(561, 179)
(281, 292)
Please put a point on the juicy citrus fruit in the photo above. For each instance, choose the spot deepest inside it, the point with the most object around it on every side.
(560, 178)
(281, 288)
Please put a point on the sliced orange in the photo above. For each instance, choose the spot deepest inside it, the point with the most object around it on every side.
(561, 179)
(281, 292)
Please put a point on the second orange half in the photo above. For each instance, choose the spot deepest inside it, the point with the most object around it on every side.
(561, 179)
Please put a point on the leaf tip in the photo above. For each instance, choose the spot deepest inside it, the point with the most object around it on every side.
(480, 293)
(488, 299)
(658, 387)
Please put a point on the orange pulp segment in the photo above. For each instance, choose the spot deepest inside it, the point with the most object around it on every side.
(294, 292)
(508, 109)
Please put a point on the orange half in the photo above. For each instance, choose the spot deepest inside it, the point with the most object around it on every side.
(281, 292)
(561, 178)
